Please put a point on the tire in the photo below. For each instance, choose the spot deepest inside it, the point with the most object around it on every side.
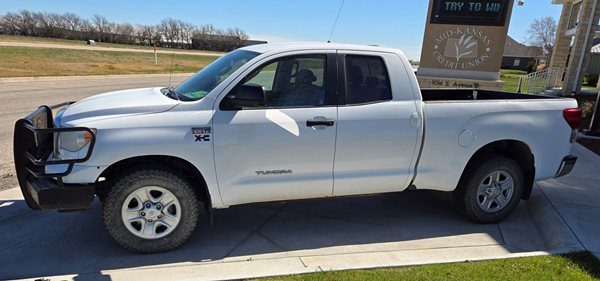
(161, 228)
(483, 194)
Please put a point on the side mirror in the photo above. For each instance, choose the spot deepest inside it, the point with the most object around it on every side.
(247, 95)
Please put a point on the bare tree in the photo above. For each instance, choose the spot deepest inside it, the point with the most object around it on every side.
(542, 33)
(169, 32)
(58, 26)
(10, 24)
(203, 37)
(27, 23)
(238, 36)
(148, 34)
(85, 29)
(74, 25)
(46, 23)
(101, 26)
(125, 33)
(187, 33)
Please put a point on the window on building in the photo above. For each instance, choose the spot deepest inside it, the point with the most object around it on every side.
(575, 15)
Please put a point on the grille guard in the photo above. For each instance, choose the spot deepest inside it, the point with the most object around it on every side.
(33, 143)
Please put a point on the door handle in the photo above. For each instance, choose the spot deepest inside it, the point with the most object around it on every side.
(414, 120)
(324, 122)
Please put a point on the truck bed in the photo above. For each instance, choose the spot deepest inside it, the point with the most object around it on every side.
(469, 94)
(488, 117)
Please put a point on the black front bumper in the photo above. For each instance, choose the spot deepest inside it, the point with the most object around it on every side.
(33, 141)
(48, 194)
(566, 166)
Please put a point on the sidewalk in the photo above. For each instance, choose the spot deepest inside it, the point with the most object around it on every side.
(576, 197)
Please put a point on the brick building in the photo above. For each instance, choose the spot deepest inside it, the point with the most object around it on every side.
(577, 29)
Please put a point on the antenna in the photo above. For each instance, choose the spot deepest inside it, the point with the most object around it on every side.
(336, 21)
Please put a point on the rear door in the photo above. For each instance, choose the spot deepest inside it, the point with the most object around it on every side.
(377, 128)
(284, 150)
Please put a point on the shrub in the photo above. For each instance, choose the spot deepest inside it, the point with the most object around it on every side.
(591, 80)
(532, 66)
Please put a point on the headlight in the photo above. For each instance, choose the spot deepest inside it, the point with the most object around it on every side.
(58, 118)
(74, 141)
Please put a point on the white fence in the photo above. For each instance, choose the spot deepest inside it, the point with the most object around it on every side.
(541, 81)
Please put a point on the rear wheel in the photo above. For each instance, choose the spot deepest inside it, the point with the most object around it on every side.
(490, 190)
(151, 211)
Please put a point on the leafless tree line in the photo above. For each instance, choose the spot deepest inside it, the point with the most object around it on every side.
(170, 33)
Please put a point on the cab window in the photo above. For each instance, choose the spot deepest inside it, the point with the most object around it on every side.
(297, 81)
(367, 80)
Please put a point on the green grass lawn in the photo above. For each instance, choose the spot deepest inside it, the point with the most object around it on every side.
(511, 77)
(22, 61)
(578, 266)
(513, 72)
(511, 84)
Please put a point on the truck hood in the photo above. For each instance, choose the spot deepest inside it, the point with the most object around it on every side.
(116, 104)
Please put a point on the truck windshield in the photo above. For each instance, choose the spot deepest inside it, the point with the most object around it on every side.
(205, 80)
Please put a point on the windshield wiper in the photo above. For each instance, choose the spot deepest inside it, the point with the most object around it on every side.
(170, 92)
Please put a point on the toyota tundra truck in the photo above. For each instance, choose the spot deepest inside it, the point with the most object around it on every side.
(275, 122)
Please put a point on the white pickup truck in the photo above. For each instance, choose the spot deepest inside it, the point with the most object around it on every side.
(281, 122)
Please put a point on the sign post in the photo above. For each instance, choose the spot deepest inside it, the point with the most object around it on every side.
(463, 43)
(155, 56)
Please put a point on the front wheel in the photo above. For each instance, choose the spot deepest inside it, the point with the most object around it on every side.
(151, 211)
(490, 190)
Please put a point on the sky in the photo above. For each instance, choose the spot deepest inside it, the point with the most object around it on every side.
(391, 23)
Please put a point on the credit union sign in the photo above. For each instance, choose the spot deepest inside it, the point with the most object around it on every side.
(465, 38)
(462, 48)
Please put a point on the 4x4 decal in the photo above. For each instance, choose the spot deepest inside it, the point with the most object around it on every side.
(201, 134)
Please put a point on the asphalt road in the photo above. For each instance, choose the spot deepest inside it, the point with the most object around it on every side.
(17, 99)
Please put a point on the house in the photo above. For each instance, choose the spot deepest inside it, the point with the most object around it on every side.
(593, 68)
(519, 56)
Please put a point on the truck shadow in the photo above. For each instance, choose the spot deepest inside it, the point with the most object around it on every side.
(50, 243)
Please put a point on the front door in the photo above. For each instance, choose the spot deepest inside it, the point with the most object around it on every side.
(284, 150)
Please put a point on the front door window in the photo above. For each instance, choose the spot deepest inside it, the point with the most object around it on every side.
(297, 81)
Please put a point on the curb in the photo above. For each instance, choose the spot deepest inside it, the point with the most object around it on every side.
(557, 236)
(87, 77)
(260, 268)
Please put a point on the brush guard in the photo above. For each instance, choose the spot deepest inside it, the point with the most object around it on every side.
(33, 145)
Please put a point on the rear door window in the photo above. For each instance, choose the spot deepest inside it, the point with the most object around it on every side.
(367, 80)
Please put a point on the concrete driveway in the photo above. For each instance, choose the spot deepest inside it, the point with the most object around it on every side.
(263, 239)
(576, 197)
